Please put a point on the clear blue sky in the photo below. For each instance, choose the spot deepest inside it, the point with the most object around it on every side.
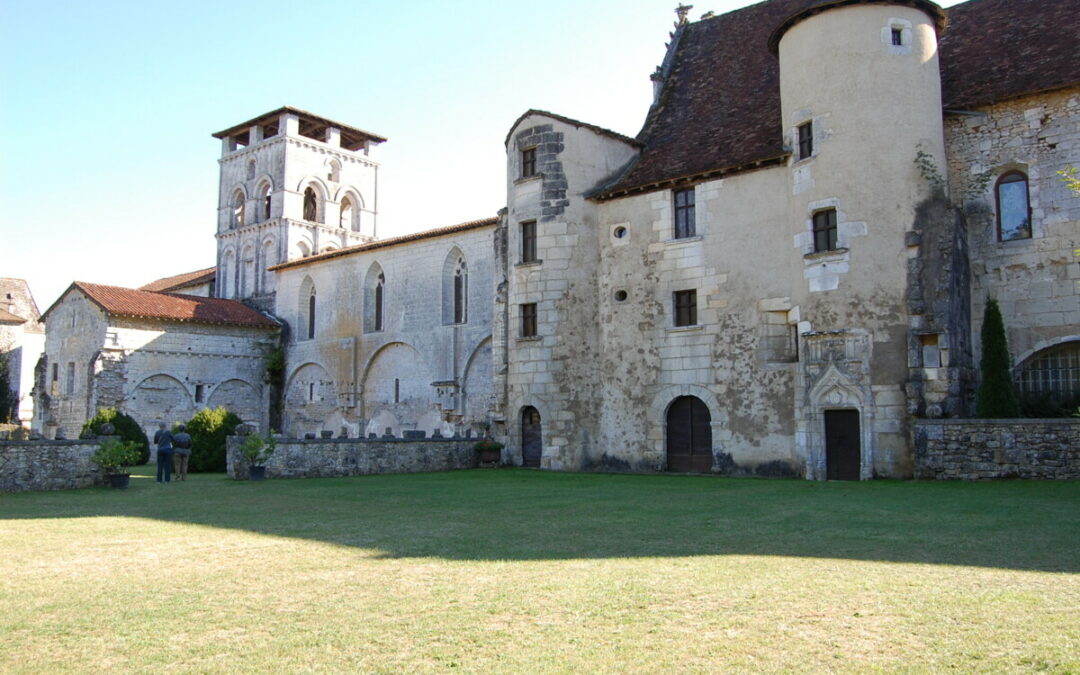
(108, 172)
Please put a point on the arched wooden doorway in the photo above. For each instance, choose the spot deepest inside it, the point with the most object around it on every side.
(689, 436)
(531, 441)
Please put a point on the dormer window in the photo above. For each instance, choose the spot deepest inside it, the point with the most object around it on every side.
(528, 163)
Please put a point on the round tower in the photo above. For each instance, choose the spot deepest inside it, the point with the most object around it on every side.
(860, 96)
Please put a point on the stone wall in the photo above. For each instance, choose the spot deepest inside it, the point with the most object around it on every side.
(48, 465)
(356, 457)
(984, 449)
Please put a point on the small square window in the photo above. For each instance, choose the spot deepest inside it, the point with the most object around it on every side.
(528, 241)
(931, 351)
(685, 225)
(685, 308)
(528, 162)
(528, 319)
(897, 36)
(825, 231)
(806, 140)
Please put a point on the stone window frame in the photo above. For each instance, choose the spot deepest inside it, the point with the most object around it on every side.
(527, 314)
(374, 310)
(528, 162)
(528, 231)
(684, 309)
(1023, 177)
(804, 135)
(237, 208)
(889, 32)
(264, 193)
(830, 229)
(688, 227)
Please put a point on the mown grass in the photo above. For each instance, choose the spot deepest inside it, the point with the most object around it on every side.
(526, 571)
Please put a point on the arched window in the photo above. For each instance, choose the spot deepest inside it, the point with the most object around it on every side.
(311, 315)
(238, 209)
(379, 290)
(374, 299)
(345, 222)
(251, 169)
(268, 259)
(264, 201)
(1013, 207)
(311, 205)
(334, 170)
(225, 275)
(461, 278)
(1051, 378)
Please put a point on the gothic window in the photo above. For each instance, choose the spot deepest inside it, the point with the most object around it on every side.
(528, 241)
(1013, 207)
(374, 299)
(311, 205)
(685, 308)
(311, 315)
(528, 162)
(825, 231)
(461, 277)
(70, 390)
(528, 319)
(334, 172)
(806, 140)
(685, 225)
(306, 327)
(238, 209)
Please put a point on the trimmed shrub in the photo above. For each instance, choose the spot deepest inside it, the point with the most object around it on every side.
(125, 427)
(996, 397)
(209, 428)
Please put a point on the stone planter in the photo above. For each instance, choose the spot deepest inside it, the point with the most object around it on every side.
(257, 473)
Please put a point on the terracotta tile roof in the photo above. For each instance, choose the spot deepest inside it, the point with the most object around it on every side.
(576, 123)
(719, 111)
(386, 243)
(130, 302)
(996, 50)
(7, 317)
(196, 278)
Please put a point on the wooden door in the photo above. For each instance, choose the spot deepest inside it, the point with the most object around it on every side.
(689, 436)
(842, 445)
(532, 444)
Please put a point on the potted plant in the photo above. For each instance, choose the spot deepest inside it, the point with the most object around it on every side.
(488, 451)
(113, 456)
(257, 450)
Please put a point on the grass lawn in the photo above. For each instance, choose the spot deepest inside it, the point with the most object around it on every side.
(528, 571)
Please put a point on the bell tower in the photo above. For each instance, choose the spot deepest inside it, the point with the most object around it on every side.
(292, 184)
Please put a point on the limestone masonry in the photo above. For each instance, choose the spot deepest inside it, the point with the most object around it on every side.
(780, 275)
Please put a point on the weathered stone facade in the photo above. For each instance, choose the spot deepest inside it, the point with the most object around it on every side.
(48, 465)
(22, 338)
(356, 457)
(988, 449)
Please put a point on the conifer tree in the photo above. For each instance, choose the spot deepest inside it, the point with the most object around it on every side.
(996, 397)
(8, 397)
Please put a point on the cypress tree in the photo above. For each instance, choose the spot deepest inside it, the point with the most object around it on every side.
(996, 397)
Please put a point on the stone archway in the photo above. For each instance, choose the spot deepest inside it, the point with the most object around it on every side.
(310, 400)
(159, 398)
(240, 398)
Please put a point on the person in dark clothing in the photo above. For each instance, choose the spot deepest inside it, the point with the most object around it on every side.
(164, 441)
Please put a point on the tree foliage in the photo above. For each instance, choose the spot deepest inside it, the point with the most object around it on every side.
(9, 400)
(209, 428)
(125, 427)
(996, 397)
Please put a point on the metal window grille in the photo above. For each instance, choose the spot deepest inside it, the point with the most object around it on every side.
(1053, 373)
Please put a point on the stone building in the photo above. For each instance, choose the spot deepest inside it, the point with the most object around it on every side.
(158, 357)
(776, 276)
(22, 338)
(201, 283)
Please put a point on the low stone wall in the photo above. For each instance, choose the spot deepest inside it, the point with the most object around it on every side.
(321, 458)
(985, 449)
(48, 465)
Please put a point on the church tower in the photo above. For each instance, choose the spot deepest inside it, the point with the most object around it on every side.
(292, 184)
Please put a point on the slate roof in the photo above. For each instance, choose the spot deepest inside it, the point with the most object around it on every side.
(719, 111)
(385, 243)
(130, 302)
(196, 278)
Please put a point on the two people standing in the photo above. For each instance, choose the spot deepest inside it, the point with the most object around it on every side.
(172, 448)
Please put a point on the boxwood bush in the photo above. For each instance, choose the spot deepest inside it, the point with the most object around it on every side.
(125, 427)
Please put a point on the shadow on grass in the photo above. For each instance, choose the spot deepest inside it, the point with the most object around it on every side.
(515, 514)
